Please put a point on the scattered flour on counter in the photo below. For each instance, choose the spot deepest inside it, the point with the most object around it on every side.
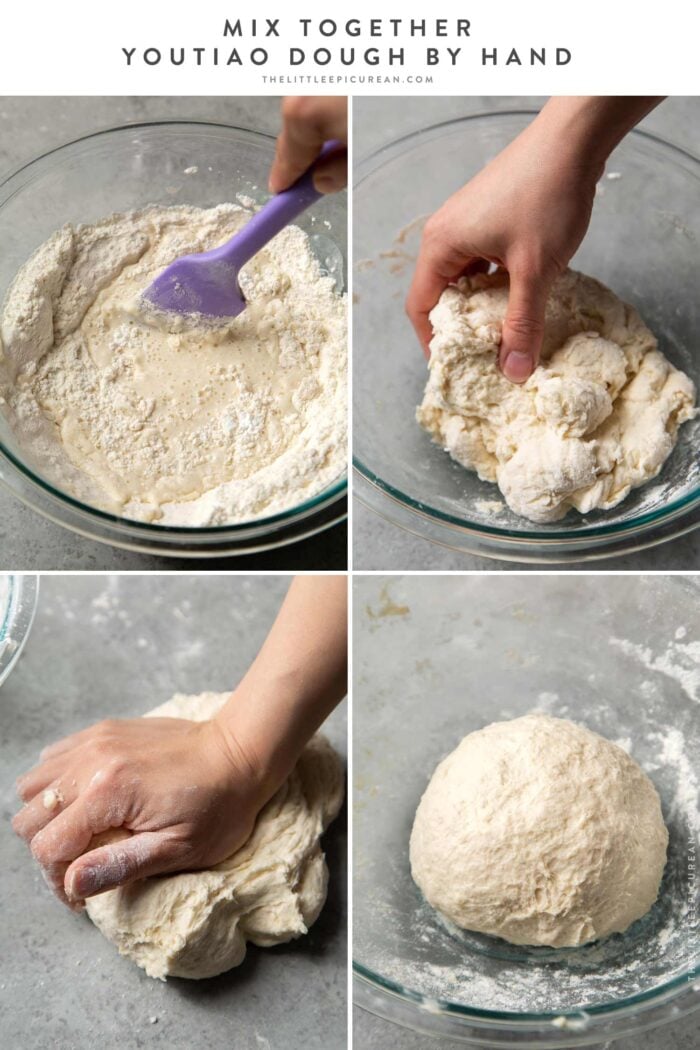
(680, 661)
(205, 425)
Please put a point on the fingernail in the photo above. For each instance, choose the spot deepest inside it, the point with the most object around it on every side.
(82, 884)
(517, 367)
(326, 183)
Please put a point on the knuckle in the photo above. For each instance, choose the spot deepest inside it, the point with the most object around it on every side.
(299, 108)
(41, 850)
(113, 769)
(108, 726)
(525, 324)
(433, 231)
(104, 736)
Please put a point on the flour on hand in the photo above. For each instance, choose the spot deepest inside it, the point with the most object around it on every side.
(204, 424)
(597, 418)
(270, 891)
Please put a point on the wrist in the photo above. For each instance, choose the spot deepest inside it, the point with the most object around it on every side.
(237, 767)
(261, 731)
(569, 130)
(584, 130)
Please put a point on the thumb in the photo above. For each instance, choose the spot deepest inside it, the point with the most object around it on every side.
(136, 857)
(523, 326)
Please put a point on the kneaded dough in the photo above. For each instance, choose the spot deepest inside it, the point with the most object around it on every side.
(270, 891)
(598, 418)
(539, 831)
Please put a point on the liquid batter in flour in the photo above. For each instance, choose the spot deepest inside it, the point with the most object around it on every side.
(206, 425)
(598, 418)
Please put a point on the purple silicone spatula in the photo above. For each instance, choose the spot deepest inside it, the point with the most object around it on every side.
(207, 282)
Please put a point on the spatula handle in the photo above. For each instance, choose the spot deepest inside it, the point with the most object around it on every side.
(279, 211)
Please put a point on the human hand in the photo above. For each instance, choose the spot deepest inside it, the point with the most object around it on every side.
(526, 211)
(308, 122)
(177, 795)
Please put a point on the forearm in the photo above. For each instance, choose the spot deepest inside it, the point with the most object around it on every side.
(586, 129)
(297, 678)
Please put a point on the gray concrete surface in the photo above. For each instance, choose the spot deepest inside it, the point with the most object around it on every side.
(110, 646)
(380, 545)
(30, 126)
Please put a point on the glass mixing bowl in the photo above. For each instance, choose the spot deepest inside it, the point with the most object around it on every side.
(642, 242)
(126, 168)
(18, 598)
(436, 657)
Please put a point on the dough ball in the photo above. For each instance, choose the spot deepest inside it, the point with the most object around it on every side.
(270, 891)
(541, 832)
(598, 417)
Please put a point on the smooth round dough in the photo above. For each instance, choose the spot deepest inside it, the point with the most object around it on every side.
(270, 891)
(541, 832)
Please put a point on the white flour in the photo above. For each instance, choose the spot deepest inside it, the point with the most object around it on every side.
(680, 660)
(206, 425)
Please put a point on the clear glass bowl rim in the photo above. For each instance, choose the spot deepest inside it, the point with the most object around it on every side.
(651, 997)
(367, 166)
(19, 616)
(624, 1007)
(317, 502)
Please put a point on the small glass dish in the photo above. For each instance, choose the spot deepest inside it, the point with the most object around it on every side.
(438, 657)
(127, 168)
(642, 242)
(18, 600)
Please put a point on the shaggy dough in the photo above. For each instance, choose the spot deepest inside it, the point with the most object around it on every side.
(184, 423)
(541, 832)
(197, 924)
(598, 418)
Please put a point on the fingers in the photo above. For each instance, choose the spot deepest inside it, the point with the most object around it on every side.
(427, 286)
(69, 834)
(44, 807)
(51, 765)
(38, 779)
(308, 122)
(431, 276)
(60, 747)
(61, 841)
(523, 326)
(331, 174)
(149, 853)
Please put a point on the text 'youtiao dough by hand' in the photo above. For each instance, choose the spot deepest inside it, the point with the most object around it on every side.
(540, 832)
(597, 418)
(270, 891)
